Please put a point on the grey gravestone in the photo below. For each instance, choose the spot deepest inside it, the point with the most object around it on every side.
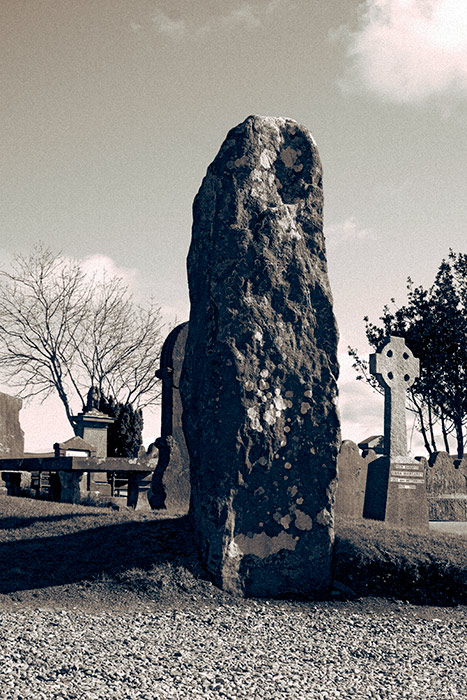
(11, 441)
(446, 484)
(352, 470)
(396, 491)
(170, 486)
(259, 378)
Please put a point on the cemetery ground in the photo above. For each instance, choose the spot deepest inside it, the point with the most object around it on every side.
(99, 603)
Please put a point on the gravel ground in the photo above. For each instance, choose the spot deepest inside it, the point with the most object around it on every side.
(244, 649)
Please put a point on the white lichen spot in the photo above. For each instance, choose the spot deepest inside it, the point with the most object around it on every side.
(262, 546)
(249, 385)
(263, 461)
(264, 373)
(265, 159)
(287, 429)
(286, 221)
(308, 393)
(302, 520)
(286, 478)
(258, 336)
(289, 394)
(289, 403)
(254, 420)
(277, 516)
(287, 465)
(263, 385)
(261, 524)
(293, 491)
(279, 403)
(324, 517)
(304, 407)
(285, 521)
(233, 550)
(283, 444)
(270, 415)
(299, 501)
(312, 450)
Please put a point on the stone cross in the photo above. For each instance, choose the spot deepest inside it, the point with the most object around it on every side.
(396, 369)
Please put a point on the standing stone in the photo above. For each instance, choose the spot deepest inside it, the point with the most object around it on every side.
(170, 485)
(396, 490)
(259, 379)
(11, 434)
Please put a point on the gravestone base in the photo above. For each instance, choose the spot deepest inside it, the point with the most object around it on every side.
(396, 492)
(73, 486)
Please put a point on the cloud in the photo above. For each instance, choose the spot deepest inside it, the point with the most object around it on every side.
(102, 265)
(247, 15)
(172, 27)
(408, 50)
(348, 231)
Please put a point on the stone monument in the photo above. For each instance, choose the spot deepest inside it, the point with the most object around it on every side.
(395, 490)
(170, 485)
(258, 383)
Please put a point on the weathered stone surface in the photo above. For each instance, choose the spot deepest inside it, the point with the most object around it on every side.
(352, 470)
(170, 486)
(11, 434)
(259, 379)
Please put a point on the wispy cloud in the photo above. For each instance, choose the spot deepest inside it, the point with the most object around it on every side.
(408, 50)
(348, 230)
(172, 27)
(247, 15)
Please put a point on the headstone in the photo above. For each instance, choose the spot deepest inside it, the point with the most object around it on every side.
(92, 426)
(352, 470)
(446, 485)
(170, 486)
(396, 491)
(259, 379)
(11, 441)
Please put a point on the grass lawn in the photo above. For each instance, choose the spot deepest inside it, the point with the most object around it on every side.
(63, 554)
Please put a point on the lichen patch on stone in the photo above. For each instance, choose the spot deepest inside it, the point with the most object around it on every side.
(302, 520)
(262, 546)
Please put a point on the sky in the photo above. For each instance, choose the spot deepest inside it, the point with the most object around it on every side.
(111, 111)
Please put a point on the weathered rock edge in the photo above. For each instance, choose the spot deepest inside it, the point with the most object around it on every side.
(258, 383)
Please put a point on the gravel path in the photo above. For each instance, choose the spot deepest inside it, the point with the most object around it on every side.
(248, 649)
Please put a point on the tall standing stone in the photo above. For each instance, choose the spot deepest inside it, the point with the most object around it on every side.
(259, 378)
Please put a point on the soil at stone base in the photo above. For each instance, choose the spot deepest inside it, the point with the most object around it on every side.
(109, 596)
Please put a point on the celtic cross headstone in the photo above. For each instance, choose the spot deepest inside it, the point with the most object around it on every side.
(395, 488)
(396, 369)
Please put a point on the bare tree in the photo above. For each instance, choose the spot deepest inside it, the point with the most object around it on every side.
(63, 331)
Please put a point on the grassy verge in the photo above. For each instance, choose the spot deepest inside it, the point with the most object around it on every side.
(428, 568)
(80, 551)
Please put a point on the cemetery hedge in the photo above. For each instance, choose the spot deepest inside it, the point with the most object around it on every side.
(56, 551)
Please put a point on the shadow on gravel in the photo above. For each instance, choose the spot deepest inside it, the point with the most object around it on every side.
(90, 554)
